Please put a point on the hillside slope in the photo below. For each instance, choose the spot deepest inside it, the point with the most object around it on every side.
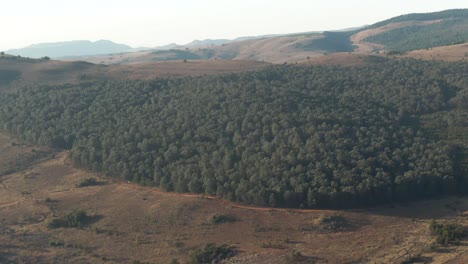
(414, 31)
(19, 71)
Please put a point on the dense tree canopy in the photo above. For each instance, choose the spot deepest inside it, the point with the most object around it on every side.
(446, 14)
(447, 32)
(321, 136)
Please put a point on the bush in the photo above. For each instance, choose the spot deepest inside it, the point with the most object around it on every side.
(447, 233)
(221, 219)
(211, 254)
(270, 244)
(87, 182)
(75, 218)
(395, 52)
(56, 244)
(332, 222)
(296, 255)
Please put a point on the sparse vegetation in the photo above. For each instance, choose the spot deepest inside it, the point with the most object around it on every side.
(212, 253)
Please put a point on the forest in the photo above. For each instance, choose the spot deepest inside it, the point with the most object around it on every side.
(446, 14)
(447, 32)
(285, 136)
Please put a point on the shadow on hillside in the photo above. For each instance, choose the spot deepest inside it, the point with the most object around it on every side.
(426, 209)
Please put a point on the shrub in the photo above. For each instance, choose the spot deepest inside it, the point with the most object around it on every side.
(174, 261)
(447, 233)
(56, 244)
(332, 222)
(220, 219)
(296, 255)
(87, 182)
(75, 218)
(395, 52)
(211, 254)
(270, 244)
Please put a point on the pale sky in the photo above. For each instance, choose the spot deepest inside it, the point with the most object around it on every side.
(152, 23)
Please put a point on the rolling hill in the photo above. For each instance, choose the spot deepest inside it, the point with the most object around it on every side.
(400, 34)
(19, 71)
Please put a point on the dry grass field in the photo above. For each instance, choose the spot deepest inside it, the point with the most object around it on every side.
(131, 223)
(447, 53)
(55, 72)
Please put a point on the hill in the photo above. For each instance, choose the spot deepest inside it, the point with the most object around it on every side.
(418, 31)
(70, 48)
(278, 49)
(399, 34)
(295, 136)
(19, 71)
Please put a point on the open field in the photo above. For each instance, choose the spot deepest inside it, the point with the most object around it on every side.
(134, 223)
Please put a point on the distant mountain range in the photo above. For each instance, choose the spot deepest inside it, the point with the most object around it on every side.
(400, 34)
(71, 48)
(79, 48)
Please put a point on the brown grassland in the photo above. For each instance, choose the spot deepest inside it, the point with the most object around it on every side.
(56, 72)
(133, 223)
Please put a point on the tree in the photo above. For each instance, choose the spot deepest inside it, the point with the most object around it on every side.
(2, 53)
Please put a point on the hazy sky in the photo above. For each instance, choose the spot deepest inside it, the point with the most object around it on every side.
(152, 22)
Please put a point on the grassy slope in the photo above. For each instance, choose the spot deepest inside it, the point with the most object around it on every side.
(29, 72)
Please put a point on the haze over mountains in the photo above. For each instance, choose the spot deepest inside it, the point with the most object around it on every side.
(399, 34)
(77, 48)
(70, 48)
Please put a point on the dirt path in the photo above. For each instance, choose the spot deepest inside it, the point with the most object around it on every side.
(225, 202)
(64, 157)
(8, 204)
